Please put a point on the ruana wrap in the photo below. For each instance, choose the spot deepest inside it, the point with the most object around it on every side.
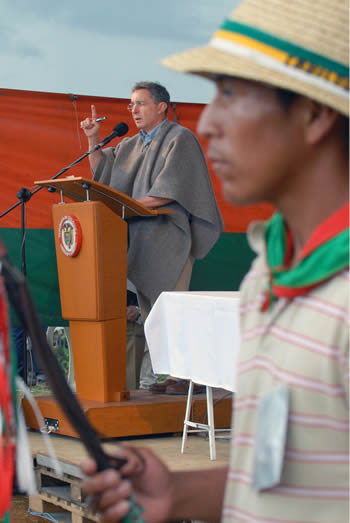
(172, 166)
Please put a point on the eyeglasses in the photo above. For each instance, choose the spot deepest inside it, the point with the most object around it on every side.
(138, 103)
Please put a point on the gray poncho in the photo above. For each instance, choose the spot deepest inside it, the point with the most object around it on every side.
(172, 166)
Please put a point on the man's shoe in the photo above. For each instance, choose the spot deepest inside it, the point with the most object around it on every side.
(181, 388)
(160, 388)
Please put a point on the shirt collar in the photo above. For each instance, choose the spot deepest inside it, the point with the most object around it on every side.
(148, 137)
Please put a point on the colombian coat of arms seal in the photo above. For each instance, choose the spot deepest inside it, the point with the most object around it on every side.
(69, 234)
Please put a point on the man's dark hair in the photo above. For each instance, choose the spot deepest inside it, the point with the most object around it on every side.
(285, 97)
(158, 92)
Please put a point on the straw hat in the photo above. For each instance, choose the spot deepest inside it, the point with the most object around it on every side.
(300, 45)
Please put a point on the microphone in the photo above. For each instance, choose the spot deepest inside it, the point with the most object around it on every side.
(119, 130)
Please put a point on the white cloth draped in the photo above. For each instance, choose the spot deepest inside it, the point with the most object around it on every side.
(195, 335)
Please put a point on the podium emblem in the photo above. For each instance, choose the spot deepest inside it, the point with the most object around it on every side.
(69, 234)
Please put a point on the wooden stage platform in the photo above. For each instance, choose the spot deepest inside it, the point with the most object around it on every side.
(144, 414)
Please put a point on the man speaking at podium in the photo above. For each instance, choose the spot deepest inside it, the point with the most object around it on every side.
(161, 166)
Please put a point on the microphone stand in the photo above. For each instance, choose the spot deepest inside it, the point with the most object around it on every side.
(24, 196)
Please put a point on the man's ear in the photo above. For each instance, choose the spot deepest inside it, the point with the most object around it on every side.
(162, 107)
(320, 121)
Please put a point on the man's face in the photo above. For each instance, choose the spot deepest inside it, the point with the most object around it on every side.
(255, 144)
(146, 114)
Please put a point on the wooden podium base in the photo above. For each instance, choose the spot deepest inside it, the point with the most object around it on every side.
(143, 414)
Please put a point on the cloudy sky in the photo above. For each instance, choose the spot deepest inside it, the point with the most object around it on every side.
(101, 48)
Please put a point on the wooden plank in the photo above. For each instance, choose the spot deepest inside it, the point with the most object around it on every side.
(67, 468)
(36, 504)
(69, 507)
(61, 492)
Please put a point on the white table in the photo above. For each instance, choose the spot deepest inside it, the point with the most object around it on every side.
(195, 336)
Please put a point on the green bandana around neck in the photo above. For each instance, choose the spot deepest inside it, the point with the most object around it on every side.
(325, 253)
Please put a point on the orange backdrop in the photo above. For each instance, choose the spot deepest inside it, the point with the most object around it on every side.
(40, 135)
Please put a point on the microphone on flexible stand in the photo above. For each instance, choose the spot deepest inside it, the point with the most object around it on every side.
(119, 130)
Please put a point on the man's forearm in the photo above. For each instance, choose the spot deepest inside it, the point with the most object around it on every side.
(152, 202)
(198, 494)
(95, 157)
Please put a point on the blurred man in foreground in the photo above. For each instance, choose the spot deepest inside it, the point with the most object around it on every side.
(278, 132)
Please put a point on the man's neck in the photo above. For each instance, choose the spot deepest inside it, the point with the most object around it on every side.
(150, 131)
(319, 193)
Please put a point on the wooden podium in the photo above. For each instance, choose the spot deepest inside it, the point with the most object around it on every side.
(91, 250)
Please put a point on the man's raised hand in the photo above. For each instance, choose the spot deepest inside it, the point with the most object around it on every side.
(89, 125)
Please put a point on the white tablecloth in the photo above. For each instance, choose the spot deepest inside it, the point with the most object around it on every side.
(195, 335)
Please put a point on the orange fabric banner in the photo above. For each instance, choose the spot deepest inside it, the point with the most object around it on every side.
(40, 134)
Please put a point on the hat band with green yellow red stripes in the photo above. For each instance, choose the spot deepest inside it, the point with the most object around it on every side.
(282, 55)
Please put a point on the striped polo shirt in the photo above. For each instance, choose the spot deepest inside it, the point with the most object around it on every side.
(304, 343)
